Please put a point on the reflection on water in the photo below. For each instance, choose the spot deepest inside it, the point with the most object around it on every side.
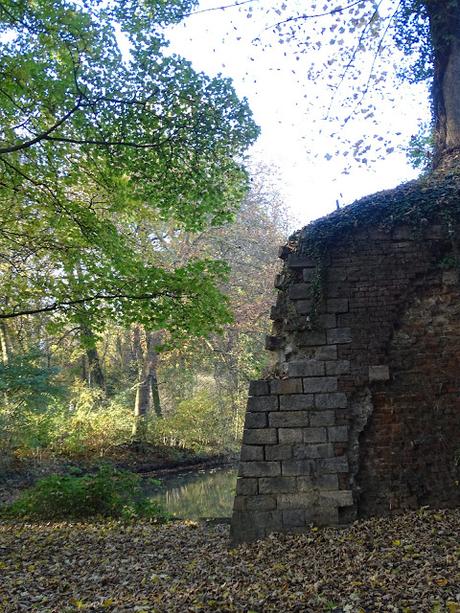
(205, 493)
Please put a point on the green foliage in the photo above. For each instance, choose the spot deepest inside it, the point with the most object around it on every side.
(108, 493)
(94, 143)
(420, 149)
(202, 423)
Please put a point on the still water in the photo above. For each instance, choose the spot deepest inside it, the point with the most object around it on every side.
(191, 495)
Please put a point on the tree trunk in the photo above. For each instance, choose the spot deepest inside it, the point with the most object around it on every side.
(92, 364)
(147, 394)
(444, 16)
(5, 343)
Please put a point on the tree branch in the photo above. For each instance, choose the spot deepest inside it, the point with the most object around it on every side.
(43, 135)
(55, 306)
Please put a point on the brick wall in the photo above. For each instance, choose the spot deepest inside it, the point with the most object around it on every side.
(362, 413)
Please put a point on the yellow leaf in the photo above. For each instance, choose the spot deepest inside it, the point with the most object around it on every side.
(396, 543)
(441, 581)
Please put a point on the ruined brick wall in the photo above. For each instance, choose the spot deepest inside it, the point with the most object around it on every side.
(362, 413)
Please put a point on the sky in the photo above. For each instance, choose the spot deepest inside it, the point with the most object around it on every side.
(290, 98)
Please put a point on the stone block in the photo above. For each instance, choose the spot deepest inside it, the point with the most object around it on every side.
(255, 420)
(258, 388)
(278, 452)
(338, 367)
(450, 277)
(328, 352)
(259, 469)
(339, 336)
(311, 338)
(296, 402)
(277, 313)
(312, 451)
(306, 368)
(262, 403)
(299, 291)
(288, 419)
(308, 274)
(332, 465)
(273, 343)
(260, 436)
(322, 418)
(251, 453)
(314, 435)
(280, 280)
(327, 320)
(337, 434)
(337, 274)
(271, 521)
(326, 481)
(303, 307)
(294, 468)
(301, 500)
(342, 498)
(337, 305)
(331, 401)
(246, 487)
(286, 386)
(296, 261)
(260, 503)
(315, 385)
(290, 435)
(294, 517)
(277, 485)
(304, 484)
(379, 373)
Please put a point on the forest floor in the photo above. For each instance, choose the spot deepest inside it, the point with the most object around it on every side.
(408, 563)
(150, 460)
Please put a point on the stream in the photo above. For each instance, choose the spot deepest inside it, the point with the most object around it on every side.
(196, 494)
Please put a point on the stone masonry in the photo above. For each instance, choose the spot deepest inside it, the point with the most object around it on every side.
(361, 415)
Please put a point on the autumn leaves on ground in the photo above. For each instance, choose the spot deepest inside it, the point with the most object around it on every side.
(410, 563)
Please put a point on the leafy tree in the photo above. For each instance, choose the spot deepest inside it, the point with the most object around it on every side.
(91, 142)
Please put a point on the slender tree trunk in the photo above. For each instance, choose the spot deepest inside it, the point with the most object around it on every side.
(147, 393)
(444, 16)
(152, 340)
(92, 364)
(5, 343)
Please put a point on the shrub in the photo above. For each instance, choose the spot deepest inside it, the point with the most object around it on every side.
(108, 493)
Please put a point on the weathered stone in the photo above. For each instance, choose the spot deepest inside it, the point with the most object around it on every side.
(263, 403)
(339, 336)
(251, 453)
(299, 291)
(331, 401)
(296, 467)
(304, 484)
(379, 373)
(333, 465)
(246, 487)
(260, 502)
(313, 385)
(311, 338)
(286, 386)
(255, 420)
(343, 498)
(278, 452)
(259, 469)
(338, 367)
(303, 307)
(277, 485)
(450, 277)
(258, 388)
(260, 436)
(294, 518)
(312, 451)
(272, 343)
(322, 418)
(290, 435)
(328, 352)
(326, 481)
(295, 501)
(327, 320)
(306, 368)
(337, 434)
(296, 402)
(314, 435)
(337, 305)
(288, 419)
(297, 261)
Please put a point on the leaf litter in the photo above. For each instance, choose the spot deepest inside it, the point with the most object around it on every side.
(406, 564)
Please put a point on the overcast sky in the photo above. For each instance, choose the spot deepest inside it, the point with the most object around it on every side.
(289, 106)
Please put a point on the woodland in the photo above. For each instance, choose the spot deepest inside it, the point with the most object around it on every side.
(137, 256)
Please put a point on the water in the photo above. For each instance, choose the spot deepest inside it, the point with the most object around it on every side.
(192, 495)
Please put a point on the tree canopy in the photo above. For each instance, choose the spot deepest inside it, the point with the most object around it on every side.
(92, 142)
